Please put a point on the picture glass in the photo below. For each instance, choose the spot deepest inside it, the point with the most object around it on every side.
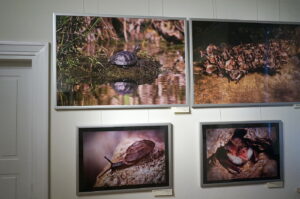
(120, 61)
(240, 63)
(124, 158)
(235, 153)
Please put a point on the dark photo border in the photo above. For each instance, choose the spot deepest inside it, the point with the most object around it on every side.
(277, 147)
(84, 188)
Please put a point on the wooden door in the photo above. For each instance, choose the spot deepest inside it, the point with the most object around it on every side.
(23, 121)
(15, 131)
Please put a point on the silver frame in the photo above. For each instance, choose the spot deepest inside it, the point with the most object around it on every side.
(170, 158)
(192, 102)
(186, 48)
(281, 171)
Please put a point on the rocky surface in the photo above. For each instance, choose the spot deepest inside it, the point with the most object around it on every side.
(216, 138)
(264, 167)
(260, 166)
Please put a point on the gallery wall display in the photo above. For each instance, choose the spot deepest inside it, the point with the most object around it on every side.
(236, 153)
(124, 158)
(236, 63)
(120, 61)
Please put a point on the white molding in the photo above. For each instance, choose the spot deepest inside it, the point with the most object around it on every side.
(38, 54)
(12, 48)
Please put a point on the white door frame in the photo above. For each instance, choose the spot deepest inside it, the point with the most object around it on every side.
(38, 55)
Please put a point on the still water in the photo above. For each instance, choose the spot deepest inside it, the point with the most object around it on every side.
(166, 86)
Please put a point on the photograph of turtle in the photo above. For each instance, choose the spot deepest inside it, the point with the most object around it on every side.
(241, 153)
(124, 158)
(117, 62)
(242, 63)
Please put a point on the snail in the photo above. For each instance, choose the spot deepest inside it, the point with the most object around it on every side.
(133, 154)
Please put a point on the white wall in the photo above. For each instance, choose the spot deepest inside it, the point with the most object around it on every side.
(31, 20)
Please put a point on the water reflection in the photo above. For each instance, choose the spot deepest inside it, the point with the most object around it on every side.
(125, 86)
(141, 85)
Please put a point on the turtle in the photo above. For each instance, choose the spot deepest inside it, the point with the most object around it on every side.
(124, 58)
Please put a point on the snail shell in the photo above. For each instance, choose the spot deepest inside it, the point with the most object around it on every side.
(133, 154)
(137, 151)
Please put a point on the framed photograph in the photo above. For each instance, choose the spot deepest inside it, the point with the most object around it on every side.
(119, 62)
(126, 158)
(235, 153)
(240, 63)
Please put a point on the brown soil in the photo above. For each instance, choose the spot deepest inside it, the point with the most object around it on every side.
(253, 88)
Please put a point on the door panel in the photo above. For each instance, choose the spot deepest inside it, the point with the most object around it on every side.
(8, 186)
(8, 110)
(15, 132)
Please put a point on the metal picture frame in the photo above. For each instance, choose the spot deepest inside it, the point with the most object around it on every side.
(223, 164)
(128, 84)
(218, 89)
(104, 155)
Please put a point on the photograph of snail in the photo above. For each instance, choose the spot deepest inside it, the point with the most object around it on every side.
(241, 63)
(120, 62)
(124, 158)
(236, 153)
